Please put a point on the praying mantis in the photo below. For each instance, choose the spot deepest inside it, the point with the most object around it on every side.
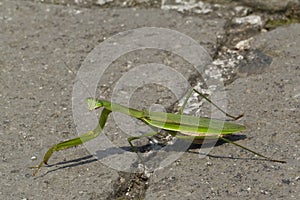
(177, 125)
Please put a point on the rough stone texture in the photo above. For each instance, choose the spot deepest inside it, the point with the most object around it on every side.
(270, 5)
(36, 109)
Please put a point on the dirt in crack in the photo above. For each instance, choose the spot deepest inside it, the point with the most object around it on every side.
(130, 186)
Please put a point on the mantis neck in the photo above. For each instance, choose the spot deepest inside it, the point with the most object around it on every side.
(113, 107)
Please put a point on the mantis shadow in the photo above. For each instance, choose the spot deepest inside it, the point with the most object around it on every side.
(70, 163)
(232, 137)
(101, 154)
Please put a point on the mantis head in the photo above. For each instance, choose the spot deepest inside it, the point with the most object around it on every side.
(93, 103)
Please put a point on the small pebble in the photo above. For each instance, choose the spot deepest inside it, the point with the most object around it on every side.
(81, 192)
(286, 181)
(33, 158)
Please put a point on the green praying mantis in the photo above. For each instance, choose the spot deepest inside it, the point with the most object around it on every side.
(177, 125)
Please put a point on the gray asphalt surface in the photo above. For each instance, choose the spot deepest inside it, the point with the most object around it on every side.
(36, 109)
